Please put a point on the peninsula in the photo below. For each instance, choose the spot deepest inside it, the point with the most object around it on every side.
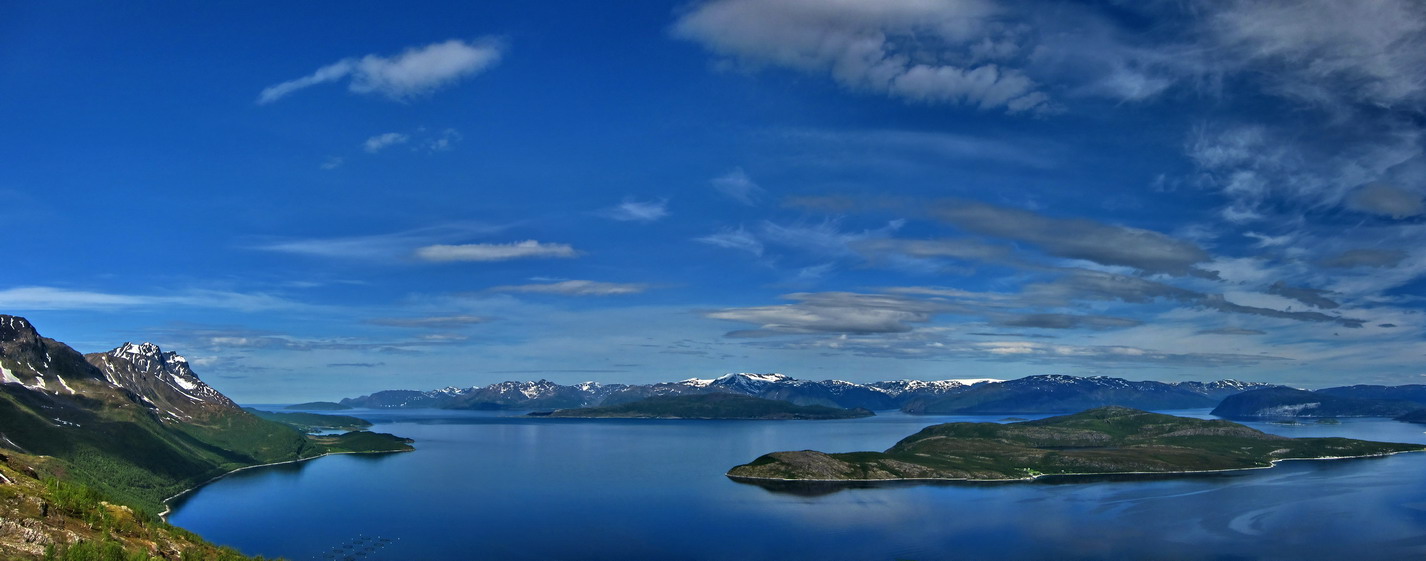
(1106, 440)
(713, 406)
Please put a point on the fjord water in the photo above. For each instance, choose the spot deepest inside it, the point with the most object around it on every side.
(485, 485)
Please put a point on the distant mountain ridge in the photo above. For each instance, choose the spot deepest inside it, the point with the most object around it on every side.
(1052, 393)
(1058, 393)
(1349, 401)
(544, 394)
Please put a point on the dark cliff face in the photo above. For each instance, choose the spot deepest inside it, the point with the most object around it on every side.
(40, 363)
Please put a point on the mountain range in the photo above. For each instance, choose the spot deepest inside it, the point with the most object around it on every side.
(1406, 403)
(1034, 394)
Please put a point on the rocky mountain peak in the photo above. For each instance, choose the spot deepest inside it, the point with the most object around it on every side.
(142, 349)
(163, 379)
(16, 328)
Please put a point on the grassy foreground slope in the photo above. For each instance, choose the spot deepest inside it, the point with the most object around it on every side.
(50, 519)
(1098, 441)
(713, 406)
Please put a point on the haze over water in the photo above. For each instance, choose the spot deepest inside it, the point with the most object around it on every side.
(495, 486)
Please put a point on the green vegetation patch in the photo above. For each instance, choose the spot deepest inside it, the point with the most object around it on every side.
(319, 406)
(364, 442)
(1099, 441)
(313, 422)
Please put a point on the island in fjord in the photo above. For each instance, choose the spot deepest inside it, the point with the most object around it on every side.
(712, 406)
(1106, 440)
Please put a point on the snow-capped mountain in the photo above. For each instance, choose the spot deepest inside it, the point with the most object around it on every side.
(1046, 393)
(546, 394)
(159, 381)
(162, 380)
(1059, 393)
(899, 387)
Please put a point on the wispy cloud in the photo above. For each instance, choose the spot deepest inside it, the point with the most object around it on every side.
(1378, 258)
(429, 322)
(1310, 296)
(390, 247)
(738, 186)
(1387, 200)
(54, 298)
(1232, 331)
(1079, 238)
(934, 344)
(833, 312)
(444, 141)
(637, 211)
(740, 239)
(1328, 52)
(528, 249)
(576, 288)
(962, 55)
(414, 72)
(377, 143)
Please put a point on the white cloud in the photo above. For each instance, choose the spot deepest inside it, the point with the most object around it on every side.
(333, 162)
(1265, 240)
(1258, 168)
(833, 312)
(825, 239)
(1326, 51)
(738, 186)
(527, 249)
(416, 71)
(1386, 200)
(52, 298)
(394, 246)
(576, 288)
(637, 211)
(1105, 244)
(932, 51)
(380, 141)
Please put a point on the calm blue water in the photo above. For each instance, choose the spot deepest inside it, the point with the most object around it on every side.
(492, 486)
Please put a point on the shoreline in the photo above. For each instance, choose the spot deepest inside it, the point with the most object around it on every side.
(1271, 464)
(168, 508)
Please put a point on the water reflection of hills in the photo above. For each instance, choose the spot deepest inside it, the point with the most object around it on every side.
(262, 475)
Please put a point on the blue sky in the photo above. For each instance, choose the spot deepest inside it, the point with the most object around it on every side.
(321, 200)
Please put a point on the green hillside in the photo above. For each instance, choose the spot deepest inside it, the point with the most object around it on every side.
(1098, 441)
(312, 422)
